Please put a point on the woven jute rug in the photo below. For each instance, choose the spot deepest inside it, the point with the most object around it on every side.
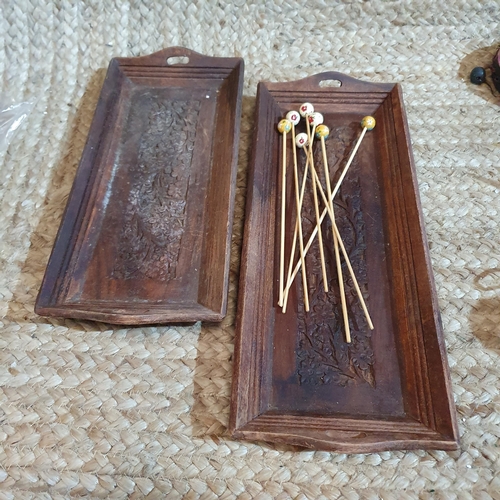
(93, 410)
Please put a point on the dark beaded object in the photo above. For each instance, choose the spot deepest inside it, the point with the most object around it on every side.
(478, 76)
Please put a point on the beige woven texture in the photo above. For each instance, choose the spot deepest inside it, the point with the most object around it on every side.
(88, 409)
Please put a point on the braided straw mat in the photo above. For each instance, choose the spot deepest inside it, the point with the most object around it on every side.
(99, 411)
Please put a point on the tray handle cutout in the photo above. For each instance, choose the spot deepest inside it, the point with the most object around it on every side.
(330, 83)
(171, 56)
(173, 60)
(333, 80)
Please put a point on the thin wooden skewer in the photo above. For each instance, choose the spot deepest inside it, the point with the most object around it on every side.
(301, 142)
(342, 247)
(284, 126)
(334, 192)
(315, 119)
(348, 262)
(322, 131)
(368, 123)
(294, 118)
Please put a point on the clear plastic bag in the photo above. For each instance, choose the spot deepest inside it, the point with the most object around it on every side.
(12, 115)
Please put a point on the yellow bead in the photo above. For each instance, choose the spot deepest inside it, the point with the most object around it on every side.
(322, 131)
(284, 126)
(368, 122)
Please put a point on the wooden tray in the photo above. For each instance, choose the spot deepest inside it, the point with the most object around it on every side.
(295, 379)
(146, 233)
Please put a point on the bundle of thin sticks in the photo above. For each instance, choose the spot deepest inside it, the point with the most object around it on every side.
(315, 129)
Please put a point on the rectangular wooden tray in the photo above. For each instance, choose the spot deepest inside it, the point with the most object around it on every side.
(296, 380)
(146, 234)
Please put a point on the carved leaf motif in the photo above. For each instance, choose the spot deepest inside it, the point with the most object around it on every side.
(150, 239)
(323, 356)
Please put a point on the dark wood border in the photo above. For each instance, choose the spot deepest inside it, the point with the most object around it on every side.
(429, 420)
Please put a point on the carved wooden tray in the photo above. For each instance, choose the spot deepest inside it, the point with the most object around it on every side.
(146, 233)
(295, 379)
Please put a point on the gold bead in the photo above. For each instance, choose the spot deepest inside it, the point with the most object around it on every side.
(322, 131)
(368, 122)
(284, 126)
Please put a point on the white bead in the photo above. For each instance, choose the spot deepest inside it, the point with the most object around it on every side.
(306, 109)
(315, 119)
(301, 140)
(293, 116)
